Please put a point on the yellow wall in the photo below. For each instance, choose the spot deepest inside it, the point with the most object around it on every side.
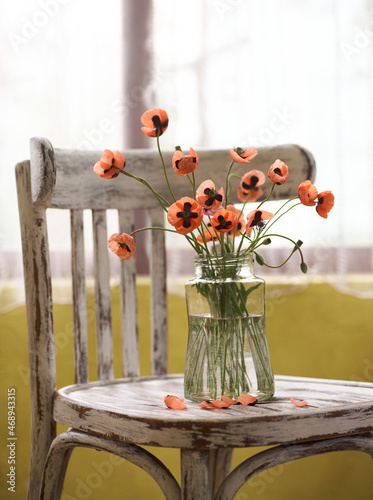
(317, 332)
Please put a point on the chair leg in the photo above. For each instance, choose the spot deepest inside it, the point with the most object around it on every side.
(195, 475)
(55, 472)
(220, 464)
(287, 453)
(63, 444)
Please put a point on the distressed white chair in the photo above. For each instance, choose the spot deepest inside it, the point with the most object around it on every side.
(120, 415)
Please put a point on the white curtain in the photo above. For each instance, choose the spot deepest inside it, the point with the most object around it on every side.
(230, 73)
(250, 73)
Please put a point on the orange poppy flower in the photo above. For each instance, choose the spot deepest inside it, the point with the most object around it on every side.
(298, 403)
(247, 196)
(209, 233)
(236, 231)
(109, 165)
(241, 156)
(122, 244)
(325, 203)
(174, 402)
(208, 198)
(224, 221)
(278, 172)
(255, 218)
(230, 401)
(247, 399)
(185, 215)
(155, 122)
(249, 189)
(307, 193)
(185, 164)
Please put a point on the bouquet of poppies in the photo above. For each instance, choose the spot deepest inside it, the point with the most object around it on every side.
(211, 225)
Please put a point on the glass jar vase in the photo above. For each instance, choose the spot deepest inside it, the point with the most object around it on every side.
(227, 350)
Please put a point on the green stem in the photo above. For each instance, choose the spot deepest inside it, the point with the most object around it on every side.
(164, 168)
(159, 197)
(227, 184)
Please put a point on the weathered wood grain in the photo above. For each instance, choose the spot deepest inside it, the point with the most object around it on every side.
(39, 308)
(86, 190)
(158, 294)
(287, 453)
(79, 297)
(63, 445)
(104, 338)
(136, 413)
(43, 172)
(195, 474)
(128, 291)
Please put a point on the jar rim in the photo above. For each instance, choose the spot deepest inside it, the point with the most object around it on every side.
(226, 259)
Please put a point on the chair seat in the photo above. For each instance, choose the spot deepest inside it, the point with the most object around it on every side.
(133, 410)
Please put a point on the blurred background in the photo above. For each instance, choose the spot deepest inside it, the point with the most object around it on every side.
(230, 73)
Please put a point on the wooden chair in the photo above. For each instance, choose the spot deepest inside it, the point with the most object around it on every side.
(120, 415)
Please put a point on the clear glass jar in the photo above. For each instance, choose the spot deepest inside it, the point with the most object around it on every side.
(227, 350)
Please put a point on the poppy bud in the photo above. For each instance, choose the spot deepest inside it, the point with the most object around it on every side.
(303, 267)
(259, 259)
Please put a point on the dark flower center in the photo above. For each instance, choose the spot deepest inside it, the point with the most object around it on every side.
(253, 182)
(187, 214)
(212, 196)
(224, 224)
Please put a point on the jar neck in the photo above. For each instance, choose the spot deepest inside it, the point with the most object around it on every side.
(224, 266)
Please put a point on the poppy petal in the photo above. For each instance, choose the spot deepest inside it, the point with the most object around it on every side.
(224, 221)
(174, 402)
(155, 122)
(230, 401)
(325, 203)
(185, 215)
(185, 164)
(247, 399)
(122, 244)
(240, 156)
(307, 193)
(298, 403)
(278, 172)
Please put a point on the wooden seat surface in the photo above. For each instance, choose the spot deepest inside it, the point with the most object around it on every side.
(133, 410)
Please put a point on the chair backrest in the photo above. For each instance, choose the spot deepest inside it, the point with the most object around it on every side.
(64, 179)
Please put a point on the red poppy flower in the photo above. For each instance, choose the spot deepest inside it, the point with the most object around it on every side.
(230, 401)
(237, 230)
(155, 122)
(224, 221)
(174, 402)
(241, 156)
(278, 172)
(122, 244)
(325, 203)
(247, 399)
(185, 164)
(209, 233)
(255, 218)
(109, 165)
(298, 403)
(185, 215)
(208, 198)
(307, 193)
